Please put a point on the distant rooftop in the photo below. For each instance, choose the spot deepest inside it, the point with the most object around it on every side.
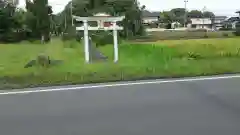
(232, 19)
(220, 16)
(150, 14)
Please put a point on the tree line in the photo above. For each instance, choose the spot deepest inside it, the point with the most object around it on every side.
(17, 24)
(180, 15)
(38, 22)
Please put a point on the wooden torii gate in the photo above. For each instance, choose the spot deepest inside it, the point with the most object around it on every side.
(101, 19)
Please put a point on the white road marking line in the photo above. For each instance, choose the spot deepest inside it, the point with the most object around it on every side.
(120, 84)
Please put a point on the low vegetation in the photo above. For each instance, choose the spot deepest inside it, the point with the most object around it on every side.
(176, 35)
(169, 58)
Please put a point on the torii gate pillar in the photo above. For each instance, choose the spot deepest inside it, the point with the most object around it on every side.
(86, 41)
(115, 41)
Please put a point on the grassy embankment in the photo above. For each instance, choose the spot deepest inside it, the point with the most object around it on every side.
(170, 58)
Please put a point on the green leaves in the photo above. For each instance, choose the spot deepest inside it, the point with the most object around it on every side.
(130, 8)
(39, 17)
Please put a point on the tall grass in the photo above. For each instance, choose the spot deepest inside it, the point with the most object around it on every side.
(157, 59)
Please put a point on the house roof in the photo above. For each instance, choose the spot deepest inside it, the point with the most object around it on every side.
(200, 18)
(220, 17)
(233, 19)
(150, 14)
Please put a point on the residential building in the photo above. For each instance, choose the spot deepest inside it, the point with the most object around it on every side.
(199, 23)
(150, 17)
(218, 22)
(231, 22)
(238, 12)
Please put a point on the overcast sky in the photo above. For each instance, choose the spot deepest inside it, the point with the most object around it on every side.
(219, 7)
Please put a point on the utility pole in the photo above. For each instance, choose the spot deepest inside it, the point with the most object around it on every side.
(71, 10)
(203, 10)
(65, 20)
(185, 15)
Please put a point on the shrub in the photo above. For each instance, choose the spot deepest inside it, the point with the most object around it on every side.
(71, 44)
(206, 35)
(225, 29)
(197, 30)
(66, 37)
(11, 37)
(102, 38)
(69, 34)
(237, 32)
(225, 34)
(153, 25)
(168, 26)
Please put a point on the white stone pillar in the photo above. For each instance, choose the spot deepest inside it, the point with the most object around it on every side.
(115, 41)
(86, 41)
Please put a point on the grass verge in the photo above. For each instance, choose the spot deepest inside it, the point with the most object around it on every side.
(170, 58)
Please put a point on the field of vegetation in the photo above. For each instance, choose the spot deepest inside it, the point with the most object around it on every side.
(178, 35)
(160, 59)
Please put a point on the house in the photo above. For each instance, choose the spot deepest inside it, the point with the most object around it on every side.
(199, 23)
(238, 12)
(175, 25)
(218, 22)
(231, 22)
(150, 17)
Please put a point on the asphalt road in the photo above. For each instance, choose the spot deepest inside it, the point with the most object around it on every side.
(209, 107)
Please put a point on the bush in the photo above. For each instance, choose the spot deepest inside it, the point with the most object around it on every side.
(102, 38)
(225, 29)
(153, 25)
(168, 26)
(197, 30)
(69, 34)
(237, 32)
(71, 43)
(12, 37)
(225, 34)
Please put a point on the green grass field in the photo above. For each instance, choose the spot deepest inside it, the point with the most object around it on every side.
(177, 35)
(169, 58)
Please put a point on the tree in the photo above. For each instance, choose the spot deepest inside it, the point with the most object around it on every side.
(130, 8)
(10, 22)
(195, 14)
(237, 31)
(178, 12)
(39, 12)
(208, 14)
